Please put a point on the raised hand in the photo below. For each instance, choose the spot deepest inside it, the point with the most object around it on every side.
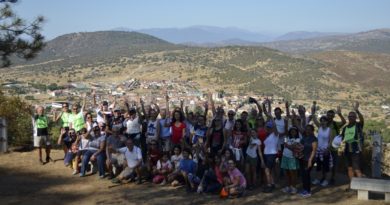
(141, 101)
(287, 104)
(314, 108)
(356, 106)
(338, 111)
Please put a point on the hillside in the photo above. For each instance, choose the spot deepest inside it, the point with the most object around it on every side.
(370, 41)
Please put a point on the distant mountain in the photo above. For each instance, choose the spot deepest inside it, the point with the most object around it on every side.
(370, 41)
(299, 35)
(228, 42)
(90, 46)
(202, 34)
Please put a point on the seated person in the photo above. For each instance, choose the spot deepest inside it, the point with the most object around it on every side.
(115, 161)
(162, 170)
(235, 183)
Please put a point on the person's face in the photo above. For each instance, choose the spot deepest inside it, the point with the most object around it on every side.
(352, 117)
(227, 154)
(201, 121)
(105, 107)
(163, 113)
(186, 155)
(293, 133)
(217, 160)
(278, 113)
(153, 113)
(309, 131)
(102, 127)
(164, 158)
(238, 125)
(231, 115)
(117, 113)
(177, 115)
(231, 165)
(324, 123)
(244, 116)
(253, 134)
(40, 110)
(260, 122)
(89, 117)
(129, 144)
(217, 122)
(176, 151)
(330, 115)
(153, 145)
(64, 107)
(74, 109)
(96, 131)
(254, 112)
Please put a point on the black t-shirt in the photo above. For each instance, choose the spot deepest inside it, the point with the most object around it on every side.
(307, 142)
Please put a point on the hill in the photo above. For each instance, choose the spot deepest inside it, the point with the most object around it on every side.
(370, 41)
(299, 35)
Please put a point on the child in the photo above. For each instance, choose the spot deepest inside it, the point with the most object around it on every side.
(254, 149)
(289, 162)
(163, 169)
(175, 160)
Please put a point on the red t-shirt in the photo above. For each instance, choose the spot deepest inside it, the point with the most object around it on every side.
(262, 136)
(154, 155)
(177, 132)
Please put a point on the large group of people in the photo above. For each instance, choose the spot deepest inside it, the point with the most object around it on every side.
(222, 153)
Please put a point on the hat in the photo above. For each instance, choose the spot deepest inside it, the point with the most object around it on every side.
(117, 109)
(269, 124)
(337, 141)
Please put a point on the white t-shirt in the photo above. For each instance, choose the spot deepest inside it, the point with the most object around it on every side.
(132, 157)
(229, 124)
(164, 165)
(133, 126)
(271, 144)
(252, 147)
(323, 137)
(176, 160)
(286, 151)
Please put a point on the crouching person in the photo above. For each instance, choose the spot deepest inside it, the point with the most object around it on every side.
(235, 184)
(133, 157)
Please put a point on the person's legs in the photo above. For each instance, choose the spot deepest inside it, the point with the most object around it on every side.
(335, 166)
(101, 158)
(86, 157)
(254, 174)
(306, 179)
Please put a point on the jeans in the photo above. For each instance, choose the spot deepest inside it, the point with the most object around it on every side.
(100, 158)
(305, 174)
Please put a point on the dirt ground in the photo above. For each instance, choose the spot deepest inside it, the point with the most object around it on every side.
(24, 181)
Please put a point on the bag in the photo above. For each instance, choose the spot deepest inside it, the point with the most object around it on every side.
(223, 194)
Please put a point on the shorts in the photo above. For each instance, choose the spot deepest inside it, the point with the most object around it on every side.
(289, 163)
(251, 161)
(41, 140)
(354, 160)
(127, 173)
(117, 159)
(269, 160)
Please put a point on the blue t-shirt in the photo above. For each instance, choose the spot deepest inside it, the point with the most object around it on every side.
(187, 165)
(200, 132)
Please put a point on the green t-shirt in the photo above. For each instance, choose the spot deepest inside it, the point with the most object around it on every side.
(77, 121)
(65, 119)
(349, 135)
(41, 122)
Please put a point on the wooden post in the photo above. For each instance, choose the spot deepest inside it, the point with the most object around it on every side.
(3, 136)
(362, 195)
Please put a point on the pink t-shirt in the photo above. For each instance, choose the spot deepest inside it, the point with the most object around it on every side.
(236, 173)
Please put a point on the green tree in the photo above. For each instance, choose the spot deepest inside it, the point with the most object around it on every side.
(17, 37)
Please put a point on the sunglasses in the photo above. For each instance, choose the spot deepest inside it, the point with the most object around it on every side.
(71, 133)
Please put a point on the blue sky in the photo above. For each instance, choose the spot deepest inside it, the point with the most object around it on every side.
(270, 17)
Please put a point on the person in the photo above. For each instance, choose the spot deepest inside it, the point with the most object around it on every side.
(133, 156)
(163, 169)
(212, 180)
(199, 132)
(310, 143)
(165, 127)
(215, 138)
(114, 161)
(186, 171)
(67, 139)
(255, 113)
(42, 138)
(153, 156)
(235, 184)
(335, 128)
(95, 152)
(270, 154)
(352, 135)
(178, 129)
(253, 150)
(323, 157)
(76, 117)
(239, 140)
(88, 122)
(83, 140)
(289, 162)
(63, 116)
(133, 123)
(103, 112)
(176, 157)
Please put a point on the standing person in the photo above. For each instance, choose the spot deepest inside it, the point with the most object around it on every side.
(239, 140)
(165, 127)
(335, 128)
(76, 118)
(352, 135)
(215, 138)
(133, 123)
(270, 154)
(255, 113)
(199, 133)
(253, 150)
(63, 116)
(323, 158)
(289, 162)
(41, 124)
(310, 143)
(228, 123)
(178, 129)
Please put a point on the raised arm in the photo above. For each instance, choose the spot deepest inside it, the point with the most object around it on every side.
(212, 104)
(340, 114)
(356, 108)
(287, 109)
(206, 109)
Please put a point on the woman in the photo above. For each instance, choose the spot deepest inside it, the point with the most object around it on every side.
(215, 137)
(254, 149)
(88, 122)
(310, 143)
(289, 163)
(239, 140)
(212, 180)
(95, 152)
(235, 184)
(178, 129)
(270, 154)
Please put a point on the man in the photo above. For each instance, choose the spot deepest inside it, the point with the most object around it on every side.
(335, 130)
(133, 158)
(41, 124)
(352, 135)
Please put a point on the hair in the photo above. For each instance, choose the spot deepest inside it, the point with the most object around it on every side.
(242, 125)
(181, 116)
(331, 112)
(311, 126)
(83, 130)
(290, 130)
(230, 151)
(244, 112)
(277, 108)
(176, 147)
(324, 118)
(86, 114)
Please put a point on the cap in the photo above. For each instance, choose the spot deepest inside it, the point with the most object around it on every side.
(117, 109)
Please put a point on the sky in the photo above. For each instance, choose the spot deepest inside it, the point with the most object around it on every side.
(272, 17)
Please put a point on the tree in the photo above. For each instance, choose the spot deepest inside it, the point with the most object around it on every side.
(17, 37)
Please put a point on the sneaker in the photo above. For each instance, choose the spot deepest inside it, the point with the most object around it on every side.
(41, 162)
(75, 172)
(115, 181)
(324, 183)
(305, 194)
(164, 182)
(316, 181)
(200, 190)
(82, 175)
(175, 183)
(293, 190)
(102, 176)
(286, 190)
(48, 159)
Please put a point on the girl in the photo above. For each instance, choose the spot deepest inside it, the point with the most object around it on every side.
(178, 129)
(163, 169)
(235, 184)
(254, 149)
(238, 142)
